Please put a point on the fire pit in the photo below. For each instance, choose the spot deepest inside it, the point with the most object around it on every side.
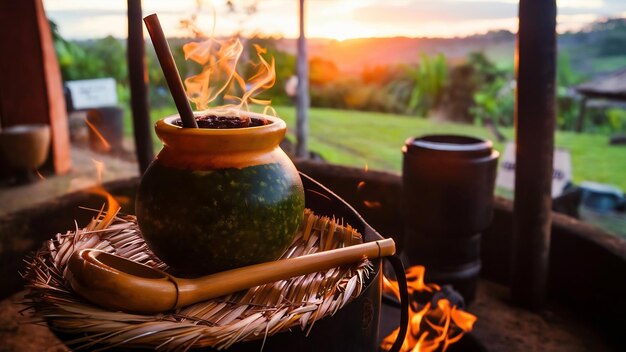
(565, 326)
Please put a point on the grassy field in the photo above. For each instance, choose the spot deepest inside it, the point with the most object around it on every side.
(609, 63)
(357, 138)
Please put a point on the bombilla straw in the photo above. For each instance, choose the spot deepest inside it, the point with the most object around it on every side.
(121, 284)
(174, 82)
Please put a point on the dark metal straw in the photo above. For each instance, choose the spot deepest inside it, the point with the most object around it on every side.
(168, 66)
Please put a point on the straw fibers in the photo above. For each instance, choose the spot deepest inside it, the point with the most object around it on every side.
(247, 315)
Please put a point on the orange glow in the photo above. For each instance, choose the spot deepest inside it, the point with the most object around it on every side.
(360, 187)
(219, 75)
(372, 204)
(105, 145)
(430, 328)
(113, 207)
(325, 19)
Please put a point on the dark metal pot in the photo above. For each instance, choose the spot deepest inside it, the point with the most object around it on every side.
(448, 184)
(354, 327)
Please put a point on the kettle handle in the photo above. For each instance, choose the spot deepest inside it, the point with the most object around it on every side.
(398, 268)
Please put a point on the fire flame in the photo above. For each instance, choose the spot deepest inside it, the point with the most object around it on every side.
(372, 204)
(433, 325)
(360, 187)
(105, 145)
(220, 76)
(103, 218)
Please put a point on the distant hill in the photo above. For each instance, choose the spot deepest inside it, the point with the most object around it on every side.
(596, 49)
(353, 55)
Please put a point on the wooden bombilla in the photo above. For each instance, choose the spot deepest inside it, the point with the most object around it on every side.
(120, 284)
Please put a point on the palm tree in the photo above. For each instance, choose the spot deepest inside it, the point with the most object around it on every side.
(430, 79)
(302, 95)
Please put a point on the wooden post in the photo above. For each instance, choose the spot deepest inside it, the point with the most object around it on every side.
(31, 89)
(302, 93)
(535, 122)
(138, 77)
(580, 123)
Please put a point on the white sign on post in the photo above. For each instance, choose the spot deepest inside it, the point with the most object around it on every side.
(93, 93)
(562, 173)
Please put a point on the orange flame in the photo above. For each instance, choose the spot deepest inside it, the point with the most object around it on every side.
(360, 187)
(219, 75)
(113, 207)
(429, 328)
(105, 145)
(372, 204)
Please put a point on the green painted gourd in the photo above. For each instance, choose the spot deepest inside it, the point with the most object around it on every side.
(217, 199)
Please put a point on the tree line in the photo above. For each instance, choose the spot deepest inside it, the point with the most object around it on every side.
(473, 91)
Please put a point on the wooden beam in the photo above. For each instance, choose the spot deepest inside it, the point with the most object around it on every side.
(31, 89)
(302, 93)
(535, 122)
(138, 77)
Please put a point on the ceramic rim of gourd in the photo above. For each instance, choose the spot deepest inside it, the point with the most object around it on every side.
(211, 148)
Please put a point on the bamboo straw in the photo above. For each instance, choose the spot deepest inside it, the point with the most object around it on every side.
(164, 54)
(219, 284)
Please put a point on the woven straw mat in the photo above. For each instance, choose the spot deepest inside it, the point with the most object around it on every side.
(247, 315)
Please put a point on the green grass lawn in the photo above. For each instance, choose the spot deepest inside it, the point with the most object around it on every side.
(608, 63)
(357, 138)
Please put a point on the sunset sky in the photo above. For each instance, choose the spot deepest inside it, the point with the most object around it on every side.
(337, 19)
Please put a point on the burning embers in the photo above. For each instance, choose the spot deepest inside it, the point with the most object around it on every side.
(434, 321)
(361, 188)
